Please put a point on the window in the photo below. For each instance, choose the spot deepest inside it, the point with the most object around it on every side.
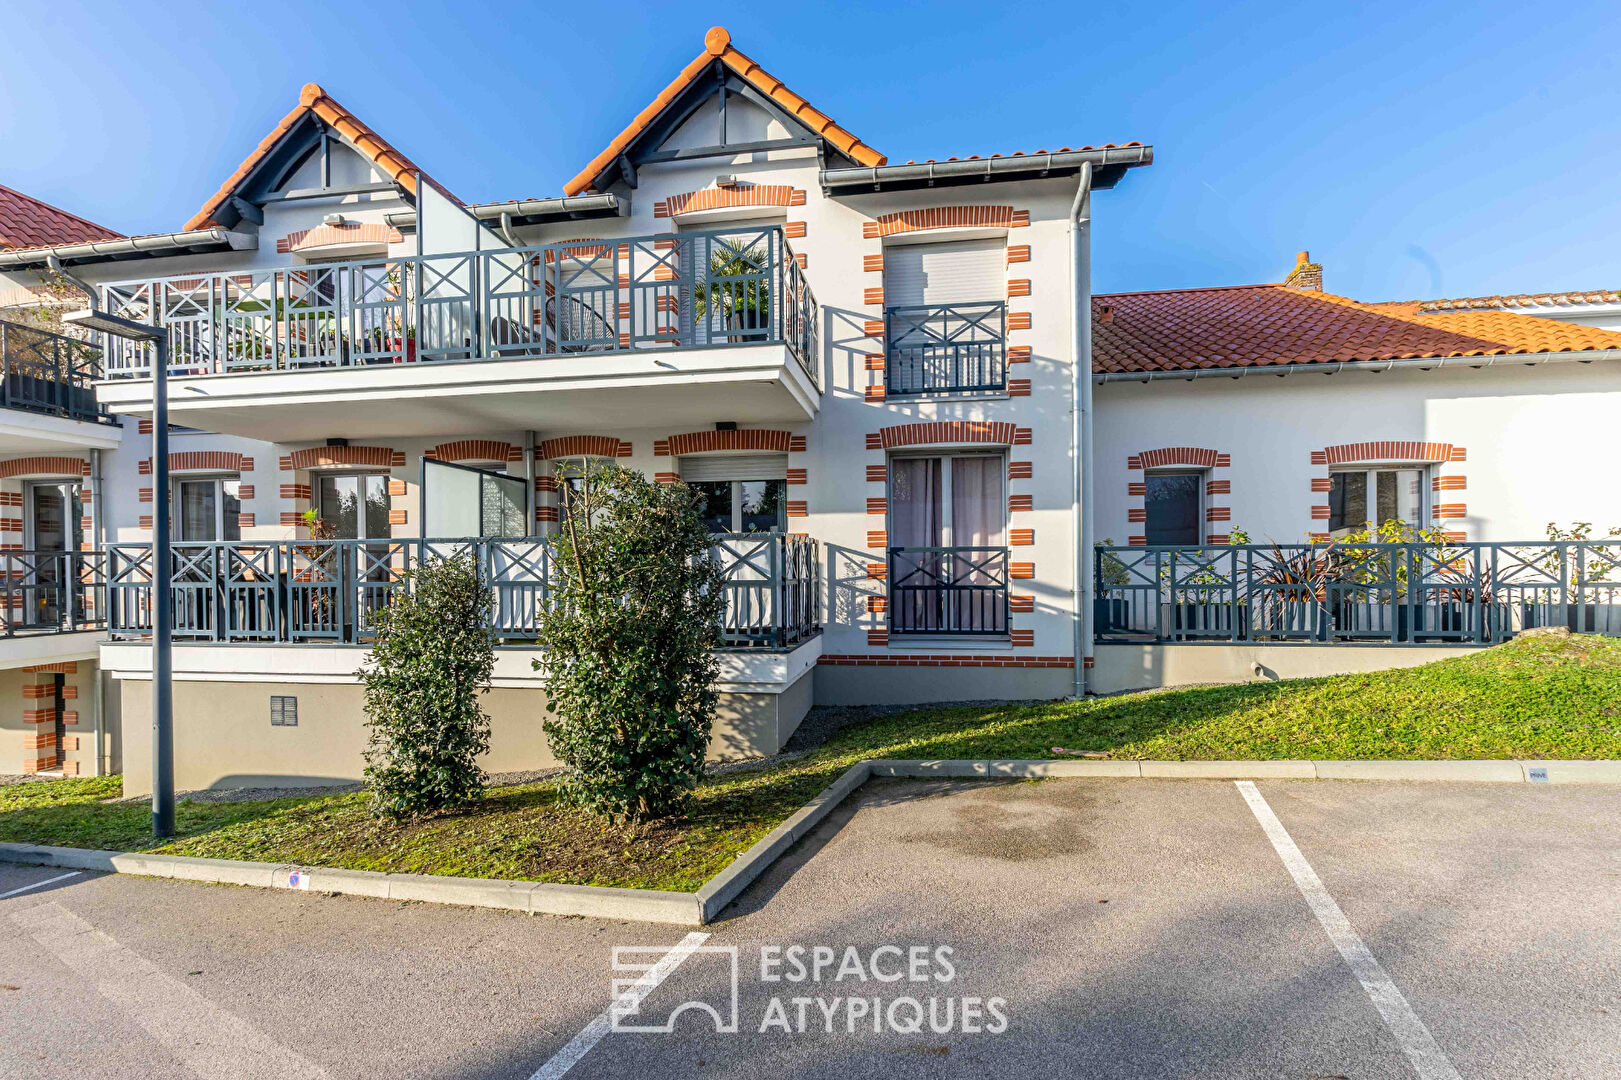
(975, 514)
(1175, 507)
(740, 493)
(207, 509)
(355, 505)
(460, 501)
(945, 317)
(1359, 498)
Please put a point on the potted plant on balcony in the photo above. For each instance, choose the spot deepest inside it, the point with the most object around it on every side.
(1111, 613)
(1294, 588)
(1584, 574)
(741, 301)
(1201, 587)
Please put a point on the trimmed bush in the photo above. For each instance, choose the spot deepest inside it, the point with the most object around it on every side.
(432, 658)
(629, 638)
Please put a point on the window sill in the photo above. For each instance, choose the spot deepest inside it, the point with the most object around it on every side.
(952, 642)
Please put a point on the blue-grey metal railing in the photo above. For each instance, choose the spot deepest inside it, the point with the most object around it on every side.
(52, 592)
(948, 590)
(708, 289)
(938, 348)
(49, 373)
(322, 591)
(1356, 593)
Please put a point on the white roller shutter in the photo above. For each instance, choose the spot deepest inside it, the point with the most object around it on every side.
(735, 467)
(954, 272)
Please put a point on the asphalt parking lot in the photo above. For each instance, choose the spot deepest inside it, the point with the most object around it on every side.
(1127, 929)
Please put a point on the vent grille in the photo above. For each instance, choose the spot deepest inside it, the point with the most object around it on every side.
(283, 710)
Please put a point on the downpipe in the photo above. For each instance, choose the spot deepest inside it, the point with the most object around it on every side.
(1080, 268)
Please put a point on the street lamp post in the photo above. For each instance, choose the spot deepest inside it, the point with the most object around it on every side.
(162, 616)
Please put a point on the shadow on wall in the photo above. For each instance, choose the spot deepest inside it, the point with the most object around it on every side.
(848, 346)
(853, 588)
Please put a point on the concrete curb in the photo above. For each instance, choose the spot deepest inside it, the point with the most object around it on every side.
(703, 906)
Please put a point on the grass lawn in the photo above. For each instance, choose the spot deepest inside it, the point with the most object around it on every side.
(1540, 697)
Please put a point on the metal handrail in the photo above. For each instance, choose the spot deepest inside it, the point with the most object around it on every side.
(941, 348)
(49, 373)
(1451, 593)
(323, 591)
(948, 590)
(703, 289)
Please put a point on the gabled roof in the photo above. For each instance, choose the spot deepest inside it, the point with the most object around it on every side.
(1559, 300)
(25, 222)
(1275, 326)
(315, 101)
(718, 46)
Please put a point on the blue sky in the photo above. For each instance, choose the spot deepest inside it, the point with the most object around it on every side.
(1416, 149)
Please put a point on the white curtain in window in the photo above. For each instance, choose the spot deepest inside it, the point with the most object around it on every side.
(978, 510)
(914, 512)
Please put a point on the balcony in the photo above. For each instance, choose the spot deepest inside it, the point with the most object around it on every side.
(47, 392)
(1356, 593)
(955, 591)
(321, 592)
(946, 349)
(690, 327)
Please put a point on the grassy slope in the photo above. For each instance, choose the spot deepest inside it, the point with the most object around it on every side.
(1535, 698)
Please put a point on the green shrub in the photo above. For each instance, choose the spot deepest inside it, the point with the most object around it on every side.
(431, 660)
(629, 638)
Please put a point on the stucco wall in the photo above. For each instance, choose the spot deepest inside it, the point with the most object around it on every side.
(1122, 668)
(223, 737)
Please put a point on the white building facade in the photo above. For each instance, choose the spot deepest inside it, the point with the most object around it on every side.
(869, 371)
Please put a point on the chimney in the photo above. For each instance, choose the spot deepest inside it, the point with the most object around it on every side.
(1105, 313)
(1306, 275)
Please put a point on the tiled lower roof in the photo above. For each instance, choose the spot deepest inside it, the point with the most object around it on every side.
(1523, 300)
(1274, 326)
(25, 222)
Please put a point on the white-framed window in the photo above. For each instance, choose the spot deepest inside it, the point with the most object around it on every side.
(354, 505)
(739, 493)
(1174, 504)
(206, 508)
(948, 500)
(55, 518)
(1361, 496)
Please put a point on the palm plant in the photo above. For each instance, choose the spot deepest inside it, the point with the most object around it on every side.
(735, 286)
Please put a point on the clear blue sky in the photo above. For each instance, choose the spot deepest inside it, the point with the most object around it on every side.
(1416, 149)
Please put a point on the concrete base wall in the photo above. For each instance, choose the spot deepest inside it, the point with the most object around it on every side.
(223, 737)
(1121, 668)
(859, 684)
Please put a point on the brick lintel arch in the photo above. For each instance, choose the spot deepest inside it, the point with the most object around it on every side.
(994, 432)
(742, 194)
(568, 446)
(475, 450)
(945, 217)
(44, 466)
(1390, 450)
(703, 442)
(319, 457)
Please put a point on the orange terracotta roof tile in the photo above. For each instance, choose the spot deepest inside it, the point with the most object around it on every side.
(1273, 326)
(718, 45)
(1524, 300)
(373, 146)
(25, 222)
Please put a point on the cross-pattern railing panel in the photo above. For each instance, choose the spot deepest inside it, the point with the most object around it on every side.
(937, 348)
(948, 590)
(701, 289)
(52, 592)
(1356, 593)
(326, 591)
(49, 373)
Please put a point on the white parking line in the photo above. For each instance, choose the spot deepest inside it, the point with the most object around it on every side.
(1414, 1038)
(204, 1038)
(579, 1046)
(39, 884)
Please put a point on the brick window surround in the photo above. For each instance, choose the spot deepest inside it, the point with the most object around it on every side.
(1394, 452)
(1217, 495)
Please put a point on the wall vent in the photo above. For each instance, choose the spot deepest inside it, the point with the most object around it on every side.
(283, 710)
